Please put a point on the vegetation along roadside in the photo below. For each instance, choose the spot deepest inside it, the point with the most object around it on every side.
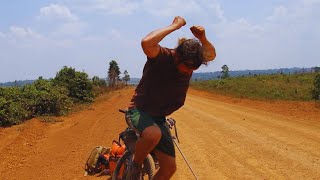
(297, 87)
(67, 91)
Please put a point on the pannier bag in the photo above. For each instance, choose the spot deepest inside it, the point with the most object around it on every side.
(91, 166)
(117, 151)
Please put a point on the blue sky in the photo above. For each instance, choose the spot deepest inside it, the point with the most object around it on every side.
(38, 38)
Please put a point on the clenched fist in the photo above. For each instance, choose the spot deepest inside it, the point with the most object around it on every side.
(198, 32)
(178, 22)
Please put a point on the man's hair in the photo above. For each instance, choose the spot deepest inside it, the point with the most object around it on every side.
(190, 50)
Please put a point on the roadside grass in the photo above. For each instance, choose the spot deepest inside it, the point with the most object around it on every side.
(264, 87)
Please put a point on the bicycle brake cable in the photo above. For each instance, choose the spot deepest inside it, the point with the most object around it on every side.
(176, 132)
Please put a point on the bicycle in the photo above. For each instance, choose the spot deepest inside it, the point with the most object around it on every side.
(150, 163)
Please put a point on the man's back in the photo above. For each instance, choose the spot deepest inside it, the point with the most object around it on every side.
(162, 88)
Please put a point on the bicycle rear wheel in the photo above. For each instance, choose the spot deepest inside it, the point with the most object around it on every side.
(120, 172)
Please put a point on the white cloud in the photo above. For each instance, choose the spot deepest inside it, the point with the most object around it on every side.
(237, 30)
(56, 11)
(20, 37)
(278, 13)
(29, 38)
(288, 37)
(23, 32)
(165, 8)
(171, 8)
(285, 21)
(124, 7)
(217, 11)
(192, 8)
(59, 21)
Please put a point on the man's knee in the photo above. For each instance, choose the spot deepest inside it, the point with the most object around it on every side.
(152, 134)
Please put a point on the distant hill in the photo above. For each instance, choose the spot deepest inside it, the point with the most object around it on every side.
(217, 74)
(134, 81)
(16, 83)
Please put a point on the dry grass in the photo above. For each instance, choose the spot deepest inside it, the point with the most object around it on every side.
(277, 86)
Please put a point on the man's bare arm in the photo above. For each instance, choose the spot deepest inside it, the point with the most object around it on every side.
(150, 44)
(209, 52)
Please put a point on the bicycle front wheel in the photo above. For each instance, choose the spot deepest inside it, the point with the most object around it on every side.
(121, 170)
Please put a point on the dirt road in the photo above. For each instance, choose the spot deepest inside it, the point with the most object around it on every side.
(223, 138)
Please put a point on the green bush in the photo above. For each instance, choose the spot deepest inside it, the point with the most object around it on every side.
(12, 110)
(39, 98)
(316, 89)
(11, 113)
(78, 84)
(44, 98)
(48, 97)
(98, 82)
(12, 93)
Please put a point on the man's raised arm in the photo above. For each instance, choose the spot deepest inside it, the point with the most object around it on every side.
(209, 52)
(150, 44)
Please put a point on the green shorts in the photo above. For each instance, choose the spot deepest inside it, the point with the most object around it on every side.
(141, 120)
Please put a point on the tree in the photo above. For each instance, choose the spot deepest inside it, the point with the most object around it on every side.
(78, 84)
(224, 72)
(98, 82)
(113, 73)
(126, 77)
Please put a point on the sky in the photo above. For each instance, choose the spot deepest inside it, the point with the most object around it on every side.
(39, 37)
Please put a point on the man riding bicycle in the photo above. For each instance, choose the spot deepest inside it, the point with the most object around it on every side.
(162, 90)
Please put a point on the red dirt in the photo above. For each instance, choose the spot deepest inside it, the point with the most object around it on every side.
(222, 137)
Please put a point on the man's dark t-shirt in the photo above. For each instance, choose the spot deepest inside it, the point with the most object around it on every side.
(162, 88)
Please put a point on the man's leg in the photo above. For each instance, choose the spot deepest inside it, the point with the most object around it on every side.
(167, 166)
(148, 140)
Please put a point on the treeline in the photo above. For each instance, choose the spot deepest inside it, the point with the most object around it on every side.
(53, 97)
(16, 83)
(244, 73)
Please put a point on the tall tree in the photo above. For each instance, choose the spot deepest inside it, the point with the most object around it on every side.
(113, 73)
(224, 72)
(126, 77)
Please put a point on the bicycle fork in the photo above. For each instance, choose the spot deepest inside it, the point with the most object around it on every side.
(129, 168)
